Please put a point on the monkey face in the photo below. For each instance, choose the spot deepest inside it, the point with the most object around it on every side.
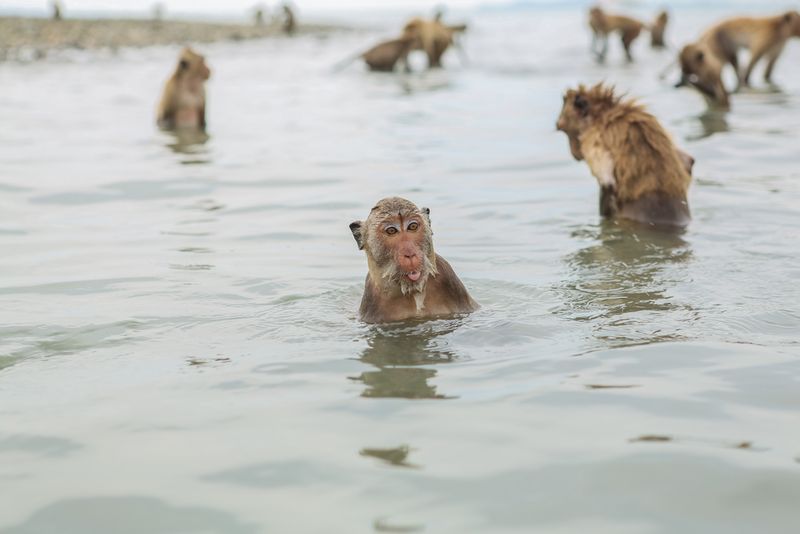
(398, 241)
(193, 64)
(574, 119)
(699, 69)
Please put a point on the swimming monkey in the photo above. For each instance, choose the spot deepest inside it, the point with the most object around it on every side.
(406, 278)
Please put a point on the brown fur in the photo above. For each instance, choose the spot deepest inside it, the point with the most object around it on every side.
(642, 175)
(384, 56)
(657, 30)
(389, 293)
(603, 24)
(183, 103)
(289, 20)
(432, 37)
(702, 62)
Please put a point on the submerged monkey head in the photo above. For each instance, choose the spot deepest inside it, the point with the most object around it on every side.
(191, 64)
(397, 238)
(700, 69)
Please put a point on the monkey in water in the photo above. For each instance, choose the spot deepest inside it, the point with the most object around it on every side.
(289, 20)
(642, 175)
(702, 62)
(406, 278)
(603, 24)
(432, 37)
(384, 56)
(183, 104)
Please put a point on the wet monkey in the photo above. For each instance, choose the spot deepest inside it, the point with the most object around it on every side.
(603, 24)
(702, 62)
(183, 103)
(406, 278)
(432, 37)
(384, 56)
(642, 175)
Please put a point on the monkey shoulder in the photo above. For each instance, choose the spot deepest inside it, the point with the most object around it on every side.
(449, 289)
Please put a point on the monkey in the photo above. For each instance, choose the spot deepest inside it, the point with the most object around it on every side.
(183, 103)
(642, 175)
(765, 37)
(384, 56)
(406, 278)
(289, 20)
(432, 37)
(603, 24)
(657, 30)
(57, 10)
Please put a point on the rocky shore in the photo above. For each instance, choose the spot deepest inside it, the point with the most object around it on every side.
(32, 38)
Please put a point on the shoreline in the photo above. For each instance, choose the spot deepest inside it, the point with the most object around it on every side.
(27, 38)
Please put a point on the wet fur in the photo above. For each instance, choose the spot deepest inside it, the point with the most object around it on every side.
(385, 56)
(702, 62)
(386, 298)
(183, 102)
(603, 24)
(642, 175)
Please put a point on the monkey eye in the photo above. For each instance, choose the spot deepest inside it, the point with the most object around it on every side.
(412, 226)
(391, 230)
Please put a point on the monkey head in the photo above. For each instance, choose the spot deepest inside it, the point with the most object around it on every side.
(700, 69)
(792, 19)
(193, 65)
(397, 239)
(581, 109)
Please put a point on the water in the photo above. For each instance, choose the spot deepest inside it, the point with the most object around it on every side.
(179, 344)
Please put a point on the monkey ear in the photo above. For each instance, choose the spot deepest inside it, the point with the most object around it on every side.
(427, 212)
(582, 105)
(355, 227)
(699, 56)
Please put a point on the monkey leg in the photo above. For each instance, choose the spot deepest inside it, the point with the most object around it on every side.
(628, 37)
(772, 58)
(755, 57)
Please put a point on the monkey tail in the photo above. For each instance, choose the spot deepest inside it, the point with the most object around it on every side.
(340, 66)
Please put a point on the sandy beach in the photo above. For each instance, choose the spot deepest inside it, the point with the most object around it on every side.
(32, 38)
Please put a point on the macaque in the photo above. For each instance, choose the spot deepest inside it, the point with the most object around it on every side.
(603, 24)
(702, 62)
(657, 30)
(289, 20)
(406, 278)
(384, 56)
(432, 37)
(57, 10)
(642, 175)
(183, 104)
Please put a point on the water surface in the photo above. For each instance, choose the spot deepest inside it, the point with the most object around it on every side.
(179, 346)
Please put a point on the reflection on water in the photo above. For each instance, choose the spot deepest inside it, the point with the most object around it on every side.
(620, 283)
(396, 456)
(191, 143)
(711, 122)
(397, 351)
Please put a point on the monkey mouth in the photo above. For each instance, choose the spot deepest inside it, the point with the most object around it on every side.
(413, 275)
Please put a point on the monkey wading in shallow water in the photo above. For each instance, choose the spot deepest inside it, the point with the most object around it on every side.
(406, 278)
(702, 62)
(183, 103)
(642, 175)
(603, 24)
(432, 37)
